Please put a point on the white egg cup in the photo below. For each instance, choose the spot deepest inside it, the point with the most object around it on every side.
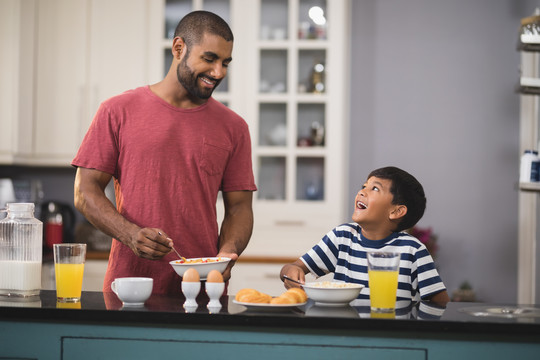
(191, 290)
(214, 292)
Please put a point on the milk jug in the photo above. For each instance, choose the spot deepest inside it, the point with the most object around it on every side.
(21, 241)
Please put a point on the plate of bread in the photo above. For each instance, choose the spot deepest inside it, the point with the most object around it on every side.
(256, 300)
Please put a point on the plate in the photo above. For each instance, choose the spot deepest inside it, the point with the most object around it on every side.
(268, 307)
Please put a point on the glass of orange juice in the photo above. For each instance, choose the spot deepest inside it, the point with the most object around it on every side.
(383, 271)
(68, 270)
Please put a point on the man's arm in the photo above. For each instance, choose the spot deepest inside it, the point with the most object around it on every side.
(90, 200)
(236, 227)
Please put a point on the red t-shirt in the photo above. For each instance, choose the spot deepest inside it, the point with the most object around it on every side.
(168, 166)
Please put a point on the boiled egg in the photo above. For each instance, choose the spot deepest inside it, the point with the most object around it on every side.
(214, 276)
(191, 275)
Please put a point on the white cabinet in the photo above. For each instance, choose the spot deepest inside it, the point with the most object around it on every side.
(17, 25)
(94, 273)
(65, 58)
(297, 108)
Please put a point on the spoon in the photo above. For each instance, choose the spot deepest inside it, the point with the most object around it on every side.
(294, 281)
(180, 256)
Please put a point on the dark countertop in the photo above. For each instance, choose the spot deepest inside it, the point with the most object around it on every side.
(97, 307)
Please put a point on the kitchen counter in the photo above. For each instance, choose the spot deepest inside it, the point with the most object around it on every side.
(102, 326)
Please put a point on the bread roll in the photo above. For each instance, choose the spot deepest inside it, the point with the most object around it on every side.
(252, 296)
(301, 295)
(245, 292)
(285, 298)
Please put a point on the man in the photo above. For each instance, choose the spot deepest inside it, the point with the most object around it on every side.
(170, 148)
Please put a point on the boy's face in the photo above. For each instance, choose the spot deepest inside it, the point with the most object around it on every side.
(373, 203)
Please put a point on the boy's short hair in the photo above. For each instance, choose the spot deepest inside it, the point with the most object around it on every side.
(406, 191)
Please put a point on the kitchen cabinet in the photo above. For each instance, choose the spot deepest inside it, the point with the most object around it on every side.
(99, 327)
(529, 88)
(76, 54)
(17, 25)
(298, 120)
(297, 112)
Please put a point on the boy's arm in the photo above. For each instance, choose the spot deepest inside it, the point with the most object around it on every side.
(296, 271)
(440, 298)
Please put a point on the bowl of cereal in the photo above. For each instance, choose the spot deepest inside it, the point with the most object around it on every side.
(332, 293)
(202, 265)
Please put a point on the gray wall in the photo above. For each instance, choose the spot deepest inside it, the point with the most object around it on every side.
(432, 92)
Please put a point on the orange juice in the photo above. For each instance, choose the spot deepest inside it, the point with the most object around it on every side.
(383, 289)
(69, 279)
(383, 315)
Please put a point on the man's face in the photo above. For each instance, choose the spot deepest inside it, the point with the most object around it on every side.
(204, 66)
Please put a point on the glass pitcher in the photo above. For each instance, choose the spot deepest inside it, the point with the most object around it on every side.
(21, 241)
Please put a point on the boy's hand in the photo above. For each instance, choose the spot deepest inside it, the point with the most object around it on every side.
(295, 271)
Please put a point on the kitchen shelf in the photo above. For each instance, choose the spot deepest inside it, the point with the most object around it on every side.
(529, 43)
(529, 84)
(533, 186)
(528, 90)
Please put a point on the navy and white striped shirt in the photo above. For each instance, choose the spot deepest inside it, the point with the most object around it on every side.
(343, 252)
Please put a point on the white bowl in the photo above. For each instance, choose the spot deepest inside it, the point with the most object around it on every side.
(203, 268)
(332, 293)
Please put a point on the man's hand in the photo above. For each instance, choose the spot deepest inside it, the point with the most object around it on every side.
(227, 272)
(150, 243)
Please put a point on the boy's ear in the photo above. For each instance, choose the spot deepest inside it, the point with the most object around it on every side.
(398, 212)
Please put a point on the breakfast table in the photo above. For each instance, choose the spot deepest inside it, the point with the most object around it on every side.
(101, 327)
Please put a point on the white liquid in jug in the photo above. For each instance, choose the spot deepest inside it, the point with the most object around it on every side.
(20, 277)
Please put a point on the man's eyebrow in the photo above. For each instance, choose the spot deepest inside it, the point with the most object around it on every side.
(213, 55)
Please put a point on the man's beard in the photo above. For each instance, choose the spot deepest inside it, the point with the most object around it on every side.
(189, 81)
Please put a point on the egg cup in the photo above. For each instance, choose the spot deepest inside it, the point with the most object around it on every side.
(214, 292)
(191, 290)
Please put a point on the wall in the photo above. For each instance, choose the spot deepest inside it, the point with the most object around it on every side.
(432, 92)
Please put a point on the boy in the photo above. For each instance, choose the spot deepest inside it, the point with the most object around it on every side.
(390, 201)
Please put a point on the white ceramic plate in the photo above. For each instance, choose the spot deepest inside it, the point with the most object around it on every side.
(267, 307)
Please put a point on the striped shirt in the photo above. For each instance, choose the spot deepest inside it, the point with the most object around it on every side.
(343, 252)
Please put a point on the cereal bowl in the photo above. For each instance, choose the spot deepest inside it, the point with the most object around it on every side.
(331, 293)
(202, 265)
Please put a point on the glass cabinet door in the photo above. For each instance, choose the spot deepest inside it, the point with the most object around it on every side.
(291, 119)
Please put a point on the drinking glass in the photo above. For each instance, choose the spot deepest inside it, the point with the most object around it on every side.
(68, 269)
(383, 270)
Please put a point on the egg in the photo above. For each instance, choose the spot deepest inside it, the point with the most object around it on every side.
(214, 276)
(191, 275)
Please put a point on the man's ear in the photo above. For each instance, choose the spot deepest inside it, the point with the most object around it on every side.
(398, 212)
(178, 47)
